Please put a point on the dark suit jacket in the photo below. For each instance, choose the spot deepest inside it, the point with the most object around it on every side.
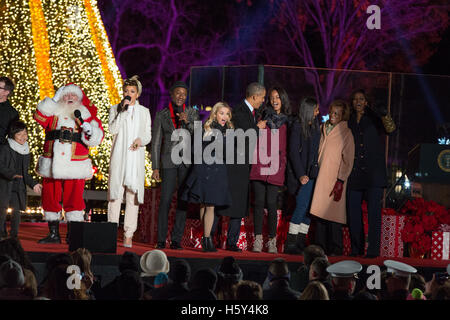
(9, 115)
(7, 171)
(161, 146)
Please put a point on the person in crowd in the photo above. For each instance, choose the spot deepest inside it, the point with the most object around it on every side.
(318, 271)
(129, 286)
(437, 281)
(300, 278)
(267, 180)
(365, 295)
(176, 116)
(344, 275)
(303, 169)
(13, 248)
(52, 262)
(248, 290)
(9, 114)
(203, 285)
(71, 128)
(207, 183)
(442, 292)
(244, 117)
(14, 176)
(336, 155)
(228, 275)
(398, 279)
(179, 275)
(129, 124)
(128, 261)
(152, 263)
(368, 178)
(315, 290)
(12, 281)
(417, 282)
(278, 276)
(82, 257)
(56, 287)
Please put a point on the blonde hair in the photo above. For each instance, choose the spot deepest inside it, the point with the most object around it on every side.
(133, 82)
(213, 115)
(341, 104)
(315, 290)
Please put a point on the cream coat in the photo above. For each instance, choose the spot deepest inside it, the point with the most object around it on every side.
(119, 148)
(336, 155)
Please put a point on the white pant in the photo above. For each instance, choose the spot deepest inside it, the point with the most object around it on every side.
(131, 212)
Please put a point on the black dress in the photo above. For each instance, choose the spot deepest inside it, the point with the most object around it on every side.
(208, 183)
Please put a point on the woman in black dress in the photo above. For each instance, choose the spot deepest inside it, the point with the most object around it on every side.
(208, 183)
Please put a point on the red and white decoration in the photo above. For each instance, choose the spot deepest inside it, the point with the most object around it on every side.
(391, 240)
(440, 245)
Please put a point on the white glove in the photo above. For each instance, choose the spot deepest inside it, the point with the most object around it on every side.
(87, 128)
(58, 94)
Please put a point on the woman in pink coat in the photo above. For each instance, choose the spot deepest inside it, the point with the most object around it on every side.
(336, 155)
(267, 177)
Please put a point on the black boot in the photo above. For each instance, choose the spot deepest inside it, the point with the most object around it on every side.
(290, 246)
(53, 236)
(210, 244)
(300, 243)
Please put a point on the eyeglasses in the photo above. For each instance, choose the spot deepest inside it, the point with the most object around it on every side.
(2, 88)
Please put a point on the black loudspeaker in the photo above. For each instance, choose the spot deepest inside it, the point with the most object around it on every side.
(94, 236)
(429, 163)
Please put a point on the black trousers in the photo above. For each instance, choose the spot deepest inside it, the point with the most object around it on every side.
(14, 204)
(171, 179)
(328, 235)
(265, 192)
(234, 228)
(355, 220)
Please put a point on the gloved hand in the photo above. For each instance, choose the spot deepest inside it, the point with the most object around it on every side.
(380, 109)
(87, 128)
(58, 94)
(337, 190)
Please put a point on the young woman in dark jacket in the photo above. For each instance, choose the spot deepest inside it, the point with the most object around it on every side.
(207, 184)
(266, 179)
(303, 168)
(369, 177)
(14, 176)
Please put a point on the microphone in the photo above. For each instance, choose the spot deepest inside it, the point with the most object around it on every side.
(77, 115)
(122, 107)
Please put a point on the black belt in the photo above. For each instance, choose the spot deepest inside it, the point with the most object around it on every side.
(64, 135)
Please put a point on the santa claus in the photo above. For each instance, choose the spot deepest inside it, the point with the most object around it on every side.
(71, 128)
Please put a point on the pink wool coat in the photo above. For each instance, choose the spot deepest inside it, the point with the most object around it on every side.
(336, 155)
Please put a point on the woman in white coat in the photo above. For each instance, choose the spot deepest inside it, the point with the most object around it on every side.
(130, 126)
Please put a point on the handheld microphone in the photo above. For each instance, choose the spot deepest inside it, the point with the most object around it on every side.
(77, 115)
(125, 107)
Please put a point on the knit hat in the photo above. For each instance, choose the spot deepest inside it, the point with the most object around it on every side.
(129, 261)
(180, 271)
(229, 269)
(11, 275)
(154, 262)
(160, 280)
(178, 84)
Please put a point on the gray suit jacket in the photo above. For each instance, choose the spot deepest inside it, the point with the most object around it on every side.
(161, 146)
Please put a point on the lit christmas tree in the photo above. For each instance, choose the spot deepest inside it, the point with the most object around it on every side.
(46, 44)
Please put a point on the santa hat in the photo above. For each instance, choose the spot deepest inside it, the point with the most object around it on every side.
(84, 99)
(71, 88)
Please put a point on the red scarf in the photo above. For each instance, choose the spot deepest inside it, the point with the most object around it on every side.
(172, 114)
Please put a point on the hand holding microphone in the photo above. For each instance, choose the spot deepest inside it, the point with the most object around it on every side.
(86, 126)
(123, 106)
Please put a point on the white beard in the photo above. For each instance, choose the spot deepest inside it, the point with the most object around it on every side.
(67, 110)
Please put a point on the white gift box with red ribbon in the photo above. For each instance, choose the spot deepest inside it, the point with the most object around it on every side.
(440, 245)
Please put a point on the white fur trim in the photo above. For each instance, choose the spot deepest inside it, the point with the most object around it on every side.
(47, 107)
(71, 88)
(303, 228)
(96, 137)
(64, 168)
(52, 216)
(75, 215)
(294, 228)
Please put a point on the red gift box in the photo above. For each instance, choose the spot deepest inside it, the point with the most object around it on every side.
(391, 239)
(440, 245)
(346, 242)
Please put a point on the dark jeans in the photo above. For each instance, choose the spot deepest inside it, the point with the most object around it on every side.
(355, 220)
(234, 228)
(171, 178)
(329, 236)
(303, 203)
(265, 192)
(14, 203)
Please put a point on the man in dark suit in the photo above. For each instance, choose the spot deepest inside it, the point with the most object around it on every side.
(9, 114)
(243, 117)
(176, 116)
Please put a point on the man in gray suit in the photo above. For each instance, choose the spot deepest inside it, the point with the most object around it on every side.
(176, 116)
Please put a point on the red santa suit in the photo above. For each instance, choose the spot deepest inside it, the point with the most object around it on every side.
(65, 164)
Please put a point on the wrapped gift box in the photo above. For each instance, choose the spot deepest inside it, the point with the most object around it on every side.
(391, 240)
(440, 245)
(346, 241)
(242, 241)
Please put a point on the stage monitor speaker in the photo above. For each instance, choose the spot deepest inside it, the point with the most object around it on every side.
(94, 236)
(429, 163)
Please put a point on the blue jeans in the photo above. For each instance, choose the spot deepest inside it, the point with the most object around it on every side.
(303, 203)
